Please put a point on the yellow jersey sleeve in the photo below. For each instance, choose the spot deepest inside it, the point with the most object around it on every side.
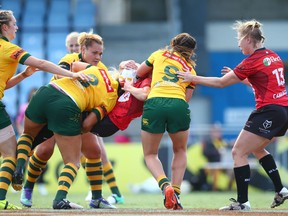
(10, 56)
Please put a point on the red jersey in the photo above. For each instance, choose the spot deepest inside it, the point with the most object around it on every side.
(264, 69)
(128, 107)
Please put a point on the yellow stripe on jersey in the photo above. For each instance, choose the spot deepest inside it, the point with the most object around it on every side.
(99, 93)
(10, 56)
(165, 82)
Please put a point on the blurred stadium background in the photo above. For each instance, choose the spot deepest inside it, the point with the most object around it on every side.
(132, 29)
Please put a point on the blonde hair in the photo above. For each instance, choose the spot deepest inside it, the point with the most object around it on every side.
(184, 44)
(70, 36)
(86, 39)
(250, 28)
(5, 18)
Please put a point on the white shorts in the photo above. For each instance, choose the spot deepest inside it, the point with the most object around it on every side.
(6, 133)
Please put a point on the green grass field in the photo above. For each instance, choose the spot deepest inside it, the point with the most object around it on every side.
(194, 203)
(206, 200)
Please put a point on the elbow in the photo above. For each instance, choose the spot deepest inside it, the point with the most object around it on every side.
(219, 84)
(41, 64)
(143, 97)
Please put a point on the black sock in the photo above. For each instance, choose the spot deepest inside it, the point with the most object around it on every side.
(269, 165)
(242, 177)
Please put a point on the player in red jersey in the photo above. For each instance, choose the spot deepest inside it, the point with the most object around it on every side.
(264, 71)
(128, 107)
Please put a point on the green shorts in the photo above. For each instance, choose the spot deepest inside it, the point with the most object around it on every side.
(57, 109)
(160, 114)
(4, 117)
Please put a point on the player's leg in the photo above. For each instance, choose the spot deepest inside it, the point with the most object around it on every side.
(24, 147)
(179, 163)
(94, 170)
(109, 176)
(8, 151)
(70, 149)
(37, 163)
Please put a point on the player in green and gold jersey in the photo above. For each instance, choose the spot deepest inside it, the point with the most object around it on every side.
(166, 109)
(10, 56)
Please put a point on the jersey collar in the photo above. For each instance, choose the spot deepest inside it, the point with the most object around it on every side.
(4, 38)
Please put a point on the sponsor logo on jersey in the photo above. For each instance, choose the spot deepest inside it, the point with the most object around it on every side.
(268, 60)
(16, 54)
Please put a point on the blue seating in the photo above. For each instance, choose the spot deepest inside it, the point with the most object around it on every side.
(58, 22)
(84, 16)
(62, 6)
(35, 6)
(32, 21)
(59, 15)
(33, 15)
(32, 42)
(14, 5)
(56, 48)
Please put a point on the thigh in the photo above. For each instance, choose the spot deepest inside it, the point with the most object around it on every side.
(179, 140)
(31, 127)
(45, 150)
(150, 142)
(44, 135)
(90, 146)
(247, 142)
(70, 148)
(8, 143)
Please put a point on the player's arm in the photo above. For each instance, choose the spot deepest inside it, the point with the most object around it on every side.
(93, 117)
(144, 70)
(226, 70)
(139, 93)
(50, 67)
(189, 93)
(21, 76)
(79, 66)
(218, 82)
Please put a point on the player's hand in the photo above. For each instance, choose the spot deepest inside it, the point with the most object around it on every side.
(29, 70)
(187, 77)
(81, 76)
(127, 85)
(129, 64)
(225, 70)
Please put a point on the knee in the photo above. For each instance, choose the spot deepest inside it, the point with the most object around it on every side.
(45, 153)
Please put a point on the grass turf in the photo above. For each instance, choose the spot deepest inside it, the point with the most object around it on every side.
(206, 200)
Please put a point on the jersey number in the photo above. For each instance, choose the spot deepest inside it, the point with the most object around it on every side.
(171, 77)
(279, 76)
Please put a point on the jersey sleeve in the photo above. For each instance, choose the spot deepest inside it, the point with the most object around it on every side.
(242, 70)
(17, 53)
(146, 82)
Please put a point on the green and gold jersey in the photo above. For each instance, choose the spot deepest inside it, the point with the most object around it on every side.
(165, 82)
(10, 56)
(68, 59)
(99, 94)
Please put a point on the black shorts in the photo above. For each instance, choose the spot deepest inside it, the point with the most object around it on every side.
(43, 135)
(103, 128)
(268, 121)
